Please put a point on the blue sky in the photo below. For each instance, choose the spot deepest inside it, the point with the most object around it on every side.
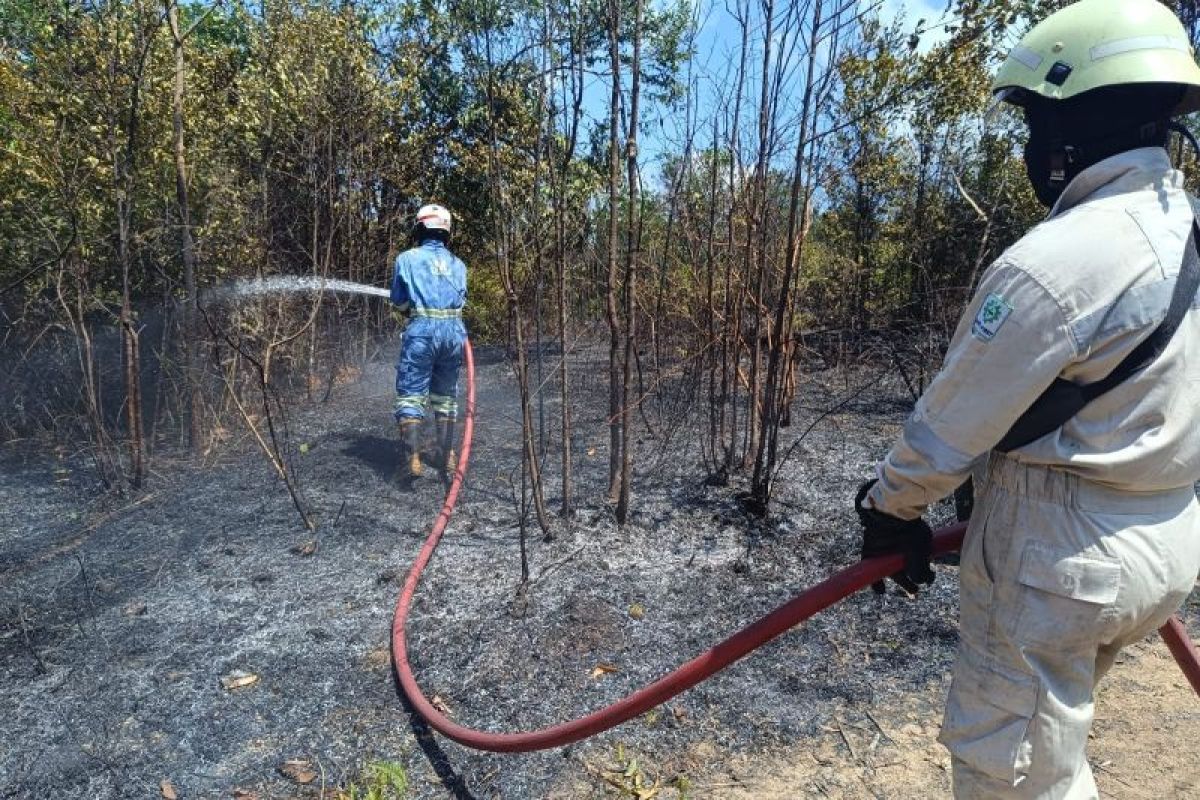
(717, 46)
(910, 11)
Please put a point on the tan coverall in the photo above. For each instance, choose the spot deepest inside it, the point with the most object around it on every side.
(1088, 538)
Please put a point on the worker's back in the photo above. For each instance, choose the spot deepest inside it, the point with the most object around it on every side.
(1110, 254)
(436, 279)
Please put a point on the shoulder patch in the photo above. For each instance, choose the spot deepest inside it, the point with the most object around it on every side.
(991, 316)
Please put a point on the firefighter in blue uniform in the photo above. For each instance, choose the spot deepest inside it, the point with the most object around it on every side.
(429, 287)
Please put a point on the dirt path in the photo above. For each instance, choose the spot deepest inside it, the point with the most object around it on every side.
(118, 622)
(1144, 745)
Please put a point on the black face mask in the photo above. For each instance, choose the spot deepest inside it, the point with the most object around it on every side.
(1051, 164)
(421, 234)
(1097, 124)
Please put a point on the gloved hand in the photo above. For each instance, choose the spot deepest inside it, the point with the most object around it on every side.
(884, 534)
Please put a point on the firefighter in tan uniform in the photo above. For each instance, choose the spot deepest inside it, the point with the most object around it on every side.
(1087, 538)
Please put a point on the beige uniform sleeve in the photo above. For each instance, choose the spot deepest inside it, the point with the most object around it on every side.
(1012, 342)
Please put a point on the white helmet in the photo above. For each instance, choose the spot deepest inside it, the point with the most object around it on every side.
(434, 217)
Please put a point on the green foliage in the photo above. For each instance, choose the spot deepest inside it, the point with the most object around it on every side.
(914, 180)
(312, 133)
(383, 780)
(314, 130)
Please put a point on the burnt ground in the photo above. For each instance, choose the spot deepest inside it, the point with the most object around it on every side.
(119, 618)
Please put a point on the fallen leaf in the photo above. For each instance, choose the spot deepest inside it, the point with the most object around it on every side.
(637, 611)
(440, 704)
(305, 549)
(168, 791)
(304, 447)
(244, 794)
(298, 770)
(237, 679)
(591, 451)
(679, 712)
(602, 669)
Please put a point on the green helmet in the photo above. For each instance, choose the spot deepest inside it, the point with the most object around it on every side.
(1095, 44)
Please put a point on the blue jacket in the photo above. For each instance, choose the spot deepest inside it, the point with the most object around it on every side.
(429, 279)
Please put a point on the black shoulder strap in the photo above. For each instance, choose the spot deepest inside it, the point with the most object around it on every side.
(1064, 399)
(1153, 345)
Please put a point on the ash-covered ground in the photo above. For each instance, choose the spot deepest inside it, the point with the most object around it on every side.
(120, 618)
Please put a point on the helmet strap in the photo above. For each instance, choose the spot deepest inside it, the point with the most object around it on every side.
(1061, 157)
(1183, 131)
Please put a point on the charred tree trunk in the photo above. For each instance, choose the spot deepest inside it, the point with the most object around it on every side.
(508, 280)
(779, 359)
(192, 405)
(124, 186)
(575, 70)
(632, 246)
(731, 322)
(610, 298)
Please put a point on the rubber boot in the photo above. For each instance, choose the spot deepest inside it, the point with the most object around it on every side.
(410, 429)
(449, 459)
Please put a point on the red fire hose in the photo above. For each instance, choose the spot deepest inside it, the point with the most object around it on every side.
(832, 590)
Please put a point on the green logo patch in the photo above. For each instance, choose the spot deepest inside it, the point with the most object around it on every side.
(991, 316)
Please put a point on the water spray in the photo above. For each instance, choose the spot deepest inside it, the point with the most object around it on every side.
(285, 284)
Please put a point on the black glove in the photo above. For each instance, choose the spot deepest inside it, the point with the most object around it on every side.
(884, 534)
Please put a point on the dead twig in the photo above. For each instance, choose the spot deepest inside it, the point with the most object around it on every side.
(882, 730)
(970, 200)
(546, 570)
(845, 401)
(846, 739)
(1104, 768)
(87, 592)
(42, 668)
(274, 450)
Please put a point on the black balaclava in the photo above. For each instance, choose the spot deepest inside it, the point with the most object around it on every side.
(1068, 136)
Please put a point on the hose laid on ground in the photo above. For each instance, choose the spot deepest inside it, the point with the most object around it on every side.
(829, 591)
(1185, 652)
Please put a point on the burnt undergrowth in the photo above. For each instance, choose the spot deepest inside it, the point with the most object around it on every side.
(120, 617)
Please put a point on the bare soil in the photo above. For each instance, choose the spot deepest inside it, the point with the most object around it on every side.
(119, 619)
(1143, 745)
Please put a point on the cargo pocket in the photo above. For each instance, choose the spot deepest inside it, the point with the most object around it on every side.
(1063, 599)
(988, 716)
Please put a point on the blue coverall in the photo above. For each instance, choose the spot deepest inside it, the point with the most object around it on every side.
(430, 284)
